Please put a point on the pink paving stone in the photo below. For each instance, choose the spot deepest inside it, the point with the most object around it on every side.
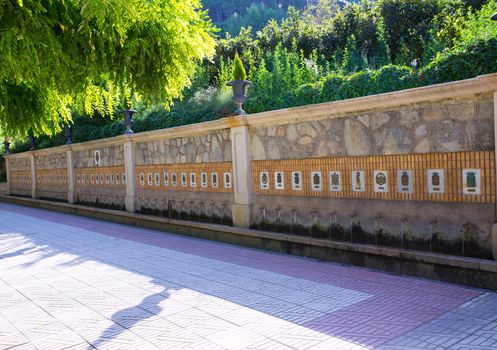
(397, 304)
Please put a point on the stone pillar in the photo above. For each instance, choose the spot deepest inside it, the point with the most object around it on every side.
(494, 227)
(71, 198)
(33, 175)
(494, 241)
(242, 177)
(7, 172)
(129, 168)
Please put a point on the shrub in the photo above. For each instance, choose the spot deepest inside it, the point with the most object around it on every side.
(393, 78)
(239, 72)
(462, 63)
(357, 85)
(331, 86)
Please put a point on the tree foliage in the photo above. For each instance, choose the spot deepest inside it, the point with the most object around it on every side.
(83, 53)
(322, 53)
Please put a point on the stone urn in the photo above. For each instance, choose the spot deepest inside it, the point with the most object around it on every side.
(6, 144)
(68, 134)
(128, 120)
(32, 142)
(239, 98)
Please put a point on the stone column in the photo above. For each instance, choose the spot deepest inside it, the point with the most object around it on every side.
(71, 198)
(7, 172)
(33, 175)
(242, 177)
(494, 227)
(129, 168)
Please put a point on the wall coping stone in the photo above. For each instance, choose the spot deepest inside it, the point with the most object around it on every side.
(336, 109)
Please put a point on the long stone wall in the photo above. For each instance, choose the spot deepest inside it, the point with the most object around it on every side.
(413, 169)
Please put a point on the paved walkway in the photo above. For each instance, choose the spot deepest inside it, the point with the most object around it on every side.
(73, 283)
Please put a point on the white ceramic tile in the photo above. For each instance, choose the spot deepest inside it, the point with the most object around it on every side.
(471, 181)
(380, 178)
(436, 181)
(316, 181)
(297, 181)
(404, 181)
(358, 184)
(279, 180)
(335, 181)
(264, 180)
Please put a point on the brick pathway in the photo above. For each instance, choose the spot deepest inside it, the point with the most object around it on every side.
(73, 283)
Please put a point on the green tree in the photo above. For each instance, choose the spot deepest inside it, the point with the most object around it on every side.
(407, 25)
(83, 53)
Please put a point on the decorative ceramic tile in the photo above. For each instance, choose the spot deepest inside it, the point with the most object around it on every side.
(380, 178)
(215, 180)
(123, 176)
(193, 180)
(183, 180)
(436, 181)
(112, 179)
(96, 157)
(404, 181)
(174, 179)
(118, 179)
(166, 179)
(157, 179)
(471, 181)
(358, 184)
(297, 181)
(316, 181)
(142, 179)
(264, 180)
(203, 180)
(335, 181)
(227, 180)
(279, 181)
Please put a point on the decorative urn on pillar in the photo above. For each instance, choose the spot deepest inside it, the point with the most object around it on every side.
(128, 120)
(68, 134)
(6, 144)
(32, 142)
(239, 85)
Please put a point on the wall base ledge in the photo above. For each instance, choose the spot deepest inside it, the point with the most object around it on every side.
(468, 271)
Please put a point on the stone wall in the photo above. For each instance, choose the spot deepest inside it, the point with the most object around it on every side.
(3, 188)
(51, 161)
(207, 148)
(411, 169)
(442, 126)
(336, 141)
(110, 155)
(20, 164)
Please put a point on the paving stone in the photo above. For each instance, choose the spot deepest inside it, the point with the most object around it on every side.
(73, 283)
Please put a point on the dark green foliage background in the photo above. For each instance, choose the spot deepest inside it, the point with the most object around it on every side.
(328, 53)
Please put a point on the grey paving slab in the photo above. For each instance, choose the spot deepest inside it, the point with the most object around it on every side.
(73, 283)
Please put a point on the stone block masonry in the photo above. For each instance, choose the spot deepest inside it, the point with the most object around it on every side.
(412, 169)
